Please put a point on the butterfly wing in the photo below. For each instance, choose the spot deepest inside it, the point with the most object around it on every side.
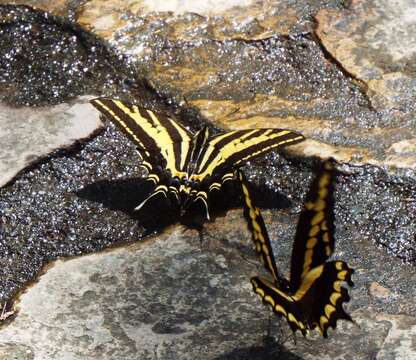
(234, 148)
(155, 134)
(257, 228)
(281, 302)
(181, 155)
(315, 299)
(314, 240)
(318, 303)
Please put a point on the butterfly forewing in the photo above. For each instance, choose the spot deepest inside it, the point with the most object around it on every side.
(235, 148)
(257, 228)
(198, 145)
(154, 134)
(314, 239)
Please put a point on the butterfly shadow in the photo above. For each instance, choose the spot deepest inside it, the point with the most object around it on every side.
(268, 198)
(125, 195)
(270, 349)
(231, 197)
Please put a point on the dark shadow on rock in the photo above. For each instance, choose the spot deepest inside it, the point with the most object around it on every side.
(123, 195)
(126, 194)
(265, 197)
(269, 350)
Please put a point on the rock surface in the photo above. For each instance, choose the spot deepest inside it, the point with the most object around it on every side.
(363, 103)
(375, 43)
(28, 135)
(167, 298)
(195, 20)
(333, 70)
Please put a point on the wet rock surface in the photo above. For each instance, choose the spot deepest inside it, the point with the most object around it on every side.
(375, 43)
(66, 224)
(316, 67)
(289, 78)
(150, 22)
(46, 59)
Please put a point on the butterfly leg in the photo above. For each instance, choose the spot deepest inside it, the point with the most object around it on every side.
(161, 189)
(227, 177)
(175, 193)
(203, 197)
(201, 238)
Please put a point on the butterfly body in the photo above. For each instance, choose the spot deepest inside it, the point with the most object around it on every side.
(313, 297)
(185, 167)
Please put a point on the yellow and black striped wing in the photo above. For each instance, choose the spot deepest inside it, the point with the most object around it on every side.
(314, 240)
(257, 228)
(155, 134)
(232, 149)
(317, 303)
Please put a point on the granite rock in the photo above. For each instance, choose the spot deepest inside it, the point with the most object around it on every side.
(28, 135)
(173, 297)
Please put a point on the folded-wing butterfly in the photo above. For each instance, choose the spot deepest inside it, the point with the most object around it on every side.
(187, 166)
(313, 297)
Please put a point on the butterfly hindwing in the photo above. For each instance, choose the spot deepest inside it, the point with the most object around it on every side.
(324, 296)
(318, 303)
(280, 301)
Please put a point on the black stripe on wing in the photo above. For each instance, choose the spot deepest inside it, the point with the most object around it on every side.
(198, 144)
(314, 240)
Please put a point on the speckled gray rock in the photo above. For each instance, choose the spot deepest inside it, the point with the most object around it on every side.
(162, 299)
(27, 134)
(168, 298)
(15, 351)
